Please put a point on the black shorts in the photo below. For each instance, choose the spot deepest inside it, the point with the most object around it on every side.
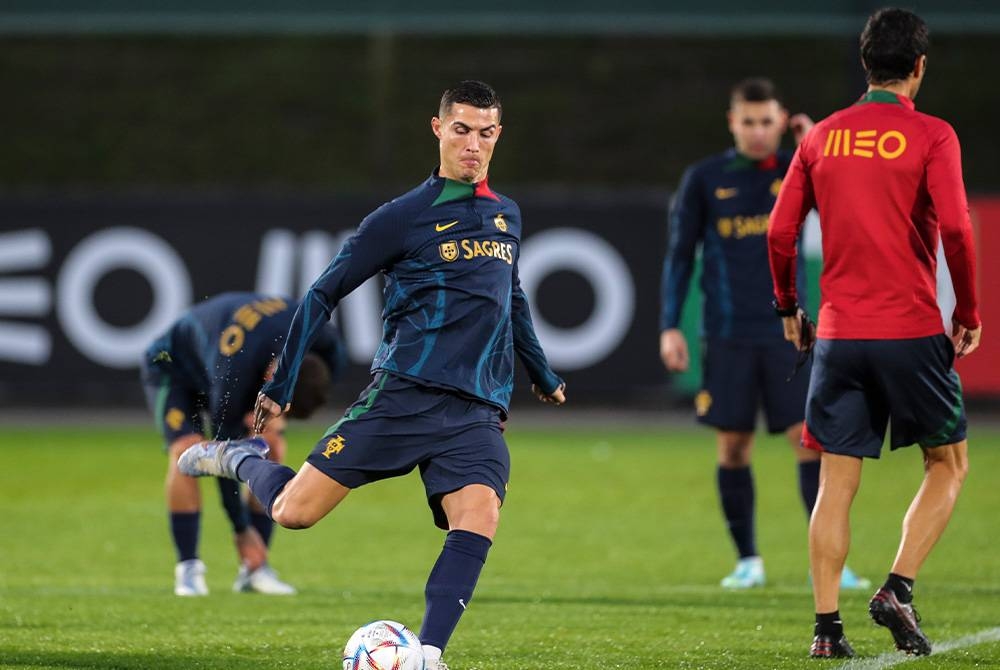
(397, 425)
(739, 376)
(177, 409)
(861, 387)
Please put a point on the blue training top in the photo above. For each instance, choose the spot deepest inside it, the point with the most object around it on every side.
(724, 203)
(221, 348)
(454, 309)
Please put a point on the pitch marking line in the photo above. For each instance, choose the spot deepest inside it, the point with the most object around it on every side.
(895, 658)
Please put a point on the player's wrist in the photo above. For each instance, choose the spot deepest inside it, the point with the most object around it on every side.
(786, 309)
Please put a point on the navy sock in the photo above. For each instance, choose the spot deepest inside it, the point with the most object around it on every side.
(263, 524)
(265, 478)
(901, 586)
(184, 527)
(829, 624)
(451, 583)
(809, 484)
(737, 495)
(233, 503)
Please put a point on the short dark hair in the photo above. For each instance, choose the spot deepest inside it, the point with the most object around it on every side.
(891, 43)
(311, 388)
(470, 92)
(754, 89)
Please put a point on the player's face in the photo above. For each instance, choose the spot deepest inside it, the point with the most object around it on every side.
(467, 136)
(757, 127)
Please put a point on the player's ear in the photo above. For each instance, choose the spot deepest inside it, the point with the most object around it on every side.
(436, 126)
(920, 66)
(783, 119)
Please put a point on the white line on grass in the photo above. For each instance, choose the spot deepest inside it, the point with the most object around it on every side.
(895, 658)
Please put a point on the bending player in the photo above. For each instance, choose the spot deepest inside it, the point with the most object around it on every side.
(201, 379)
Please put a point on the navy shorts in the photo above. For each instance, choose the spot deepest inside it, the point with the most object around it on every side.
(397, 425)
(177, 409)
(739, 376)
(861, 387)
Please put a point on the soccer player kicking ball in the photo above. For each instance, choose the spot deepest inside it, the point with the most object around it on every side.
(455, 315)
(723, 205)
(888, 184)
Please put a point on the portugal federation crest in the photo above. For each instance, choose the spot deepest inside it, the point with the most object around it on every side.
(448, 250)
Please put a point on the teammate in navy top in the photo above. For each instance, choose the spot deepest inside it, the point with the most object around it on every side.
(722, 206)
(455, 315)
(201, 379)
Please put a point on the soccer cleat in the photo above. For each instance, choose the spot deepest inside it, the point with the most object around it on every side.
(901, 620)
(749, 572)
(220, 458)
(440, 665)
(828, 646)
(262, 580)
(189, 578)
(850, 580)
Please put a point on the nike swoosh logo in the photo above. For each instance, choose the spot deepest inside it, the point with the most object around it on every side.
(441, 227)
(725, 193)
(461, 601)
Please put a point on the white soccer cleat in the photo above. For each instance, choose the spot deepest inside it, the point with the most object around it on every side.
(220, 458)
(262, 580)
(440, 665)
(189, 578)
(749, 573)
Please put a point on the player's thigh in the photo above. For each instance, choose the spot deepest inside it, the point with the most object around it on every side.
(469, 457)
(846, 412)
(308, 497)
(783, 385)
(729, 396)
(923, 390)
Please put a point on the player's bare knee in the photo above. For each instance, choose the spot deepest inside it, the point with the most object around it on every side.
(952, 459)
(291, 516)
(734, 449)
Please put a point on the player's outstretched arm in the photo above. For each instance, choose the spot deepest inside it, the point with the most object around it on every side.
(687, 218)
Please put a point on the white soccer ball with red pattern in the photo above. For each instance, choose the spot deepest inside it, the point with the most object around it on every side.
(383, 645)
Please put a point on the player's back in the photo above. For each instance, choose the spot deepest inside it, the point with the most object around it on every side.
(872, 170)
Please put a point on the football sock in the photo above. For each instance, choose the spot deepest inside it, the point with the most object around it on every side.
(829, 624)
(901, 586)
(809, 484)
(184, 527)
(451, 583)
(263, 524)
(265, 478)
(737, 495)
(233, 503)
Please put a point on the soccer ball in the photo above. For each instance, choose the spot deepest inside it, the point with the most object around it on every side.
(383, 645)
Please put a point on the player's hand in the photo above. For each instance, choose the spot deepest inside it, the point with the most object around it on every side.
(674, 350)
(799, 330)
(964, 340)
(264, 410)
(800, 125)
(557, 397)
(251, 548)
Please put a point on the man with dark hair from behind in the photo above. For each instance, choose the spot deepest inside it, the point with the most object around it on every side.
(722, 205)
(888, 184)
(201, 379)
(455, 316)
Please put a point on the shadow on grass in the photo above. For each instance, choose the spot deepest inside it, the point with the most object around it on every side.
(87, 660)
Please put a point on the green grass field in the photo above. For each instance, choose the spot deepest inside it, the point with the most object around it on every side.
(608, 556)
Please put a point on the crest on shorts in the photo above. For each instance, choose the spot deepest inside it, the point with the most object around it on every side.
(500, 223)
(448, 250)
(175, 418)
(334, 445)
(702, 402)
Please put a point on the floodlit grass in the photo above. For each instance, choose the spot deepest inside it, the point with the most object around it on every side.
(608, 556)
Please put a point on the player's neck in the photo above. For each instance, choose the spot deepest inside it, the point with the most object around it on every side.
(445, 174)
